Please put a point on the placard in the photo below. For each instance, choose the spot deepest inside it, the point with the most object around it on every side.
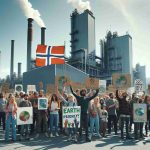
(138, 85)
(71, 117)
(18, 87)
(24, 115)
(31, 88)
(42, 103)
(122, 81)
(102, 86)
(139, 112)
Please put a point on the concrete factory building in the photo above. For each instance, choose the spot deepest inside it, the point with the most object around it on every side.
(82, 36)
(116, 52)
(47, 76)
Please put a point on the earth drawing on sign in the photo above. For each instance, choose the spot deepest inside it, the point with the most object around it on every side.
(139, 111)
(24, 116)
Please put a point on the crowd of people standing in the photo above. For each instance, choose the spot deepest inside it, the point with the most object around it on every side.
(100, 114)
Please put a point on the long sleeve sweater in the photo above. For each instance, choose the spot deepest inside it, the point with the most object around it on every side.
(84, 101)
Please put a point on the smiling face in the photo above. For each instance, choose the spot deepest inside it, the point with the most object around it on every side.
(70, 98)
(96, 100)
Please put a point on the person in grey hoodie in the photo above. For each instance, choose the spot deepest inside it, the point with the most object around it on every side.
(2, 110)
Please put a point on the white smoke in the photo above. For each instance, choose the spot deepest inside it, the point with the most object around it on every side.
(30, 12)
(80, 5)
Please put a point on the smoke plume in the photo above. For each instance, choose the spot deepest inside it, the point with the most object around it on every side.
(80, 5)
(30, 12)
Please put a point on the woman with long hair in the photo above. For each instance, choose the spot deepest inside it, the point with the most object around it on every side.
(54, 106)
(11, 109)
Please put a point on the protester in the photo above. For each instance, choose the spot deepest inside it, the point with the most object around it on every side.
(54, 106)
(94, 110)
(138, 126)
(147, 125)
(11, 109)
(34, 101)
(112, 105)
(42, 118)
(83, 101)
(125, 112)
(70, 102)
(2, 110)
(25, 128)
(104, 120)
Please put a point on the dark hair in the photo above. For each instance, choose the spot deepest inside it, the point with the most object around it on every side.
(145, 99)
(1, 95)
(82, 91)
(56, 98)
(110, 94)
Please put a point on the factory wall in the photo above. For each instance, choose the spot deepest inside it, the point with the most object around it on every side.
(47, 75)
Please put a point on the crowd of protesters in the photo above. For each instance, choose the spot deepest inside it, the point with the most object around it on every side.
(100, 114)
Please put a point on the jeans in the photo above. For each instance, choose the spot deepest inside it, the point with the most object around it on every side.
(25, 129)
(10, 120)
(125, 119)
(54, 119)
(110, 119)
(94, 121)
(2, 119)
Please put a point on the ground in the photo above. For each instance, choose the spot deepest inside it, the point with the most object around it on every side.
(42, 143)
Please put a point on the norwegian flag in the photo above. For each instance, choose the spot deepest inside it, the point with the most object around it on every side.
(48, 55)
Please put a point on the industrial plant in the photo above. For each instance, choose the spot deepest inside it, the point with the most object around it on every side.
(116, 55)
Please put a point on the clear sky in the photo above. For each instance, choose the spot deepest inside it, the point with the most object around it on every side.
(123, 16)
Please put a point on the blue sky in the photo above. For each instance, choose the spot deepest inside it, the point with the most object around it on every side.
(123, 16)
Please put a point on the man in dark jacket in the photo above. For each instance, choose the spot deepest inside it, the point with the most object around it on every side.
(125, 112)
(83, 101)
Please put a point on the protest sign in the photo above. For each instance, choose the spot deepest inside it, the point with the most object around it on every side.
(138, 85)
(102, 86)
(31, 88)
(92, 83)
(139, 113)
(121, 81)
(71, 117)
(24, 115)
(18, 87)
(42, 103)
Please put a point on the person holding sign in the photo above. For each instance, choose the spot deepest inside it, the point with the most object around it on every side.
(125, 112)
(70, 103)
(25, 127)
(11, 109)
(2, 110)
(83, 101)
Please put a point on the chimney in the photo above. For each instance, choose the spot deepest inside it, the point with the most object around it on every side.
(12, 60)
(43, 35)
(19, 70)
(29, 43)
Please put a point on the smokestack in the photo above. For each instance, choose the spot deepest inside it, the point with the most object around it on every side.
(29, 43)
(19, 70)
(12, 59)
(43, 35)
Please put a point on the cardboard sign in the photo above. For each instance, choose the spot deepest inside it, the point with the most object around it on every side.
(139, 112)
(102, 86)
(24, 115)
(92, 83)
(5, 88)
(71, 117)
(42, 103)
(138, 85)
(122, 81)
(18, 87)
(31, 88)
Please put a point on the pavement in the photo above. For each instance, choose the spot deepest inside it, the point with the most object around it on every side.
(112, 142)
